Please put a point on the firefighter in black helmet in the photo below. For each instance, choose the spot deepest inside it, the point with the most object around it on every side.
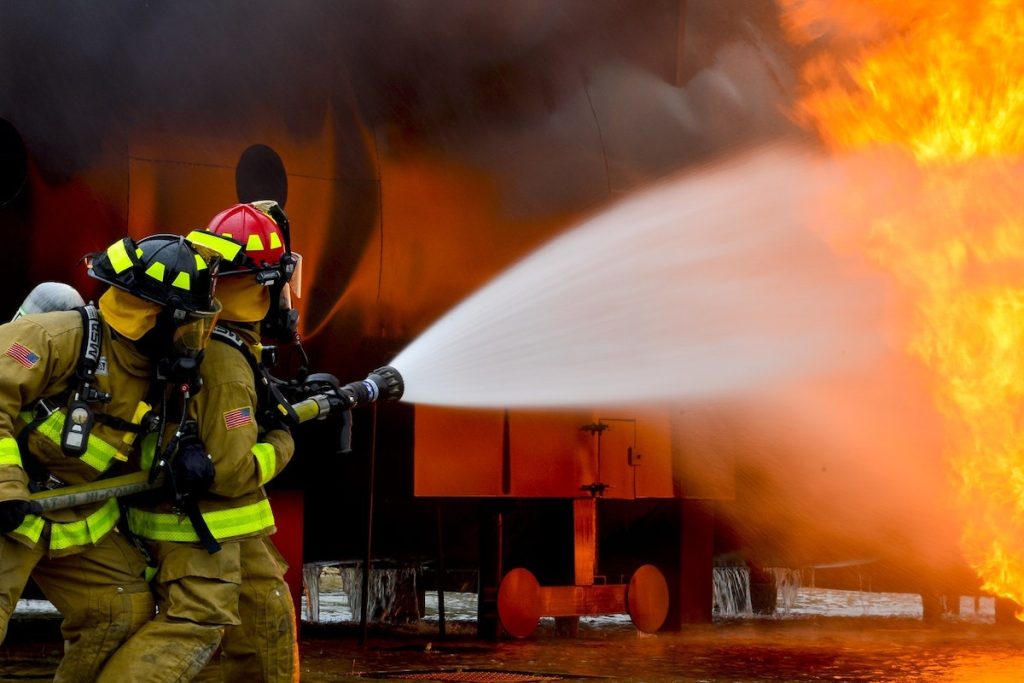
(74, 391)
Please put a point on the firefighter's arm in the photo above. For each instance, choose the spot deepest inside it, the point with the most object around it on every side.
(28, 361)
(274, 450)
(227, 424)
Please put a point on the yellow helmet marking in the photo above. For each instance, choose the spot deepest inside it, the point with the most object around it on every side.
(156, 271)
(275, 240)
(200, 263)
(117, 253)
(254, 243)
(227, 248)
(182, 281)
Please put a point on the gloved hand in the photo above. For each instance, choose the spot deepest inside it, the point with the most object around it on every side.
(272, 419)
(12, 514)
(192, 468)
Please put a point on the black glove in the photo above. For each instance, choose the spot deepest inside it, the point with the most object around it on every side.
(12, 514)
(191, 467)
(272, 419)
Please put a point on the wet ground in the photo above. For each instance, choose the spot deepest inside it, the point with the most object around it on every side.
(815, 649)
(820, 636)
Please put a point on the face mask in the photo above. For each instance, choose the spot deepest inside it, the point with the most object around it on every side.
(192, 331)
(282, 321)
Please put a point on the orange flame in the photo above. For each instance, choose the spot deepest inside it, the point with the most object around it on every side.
(942, 83)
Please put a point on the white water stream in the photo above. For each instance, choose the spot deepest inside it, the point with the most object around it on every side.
(711, 282)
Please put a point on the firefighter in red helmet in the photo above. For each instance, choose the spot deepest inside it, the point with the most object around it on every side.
(236, 597)
(75, 388)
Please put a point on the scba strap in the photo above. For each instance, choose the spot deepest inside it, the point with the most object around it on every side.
(74, 438)
(268, 396)
(92, 335)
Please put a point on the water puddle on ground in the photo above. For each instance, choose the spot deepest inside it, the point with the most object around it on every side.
(821, 635)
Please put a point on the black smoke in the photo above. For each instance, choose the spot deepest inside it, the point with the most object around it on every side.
(454, 73)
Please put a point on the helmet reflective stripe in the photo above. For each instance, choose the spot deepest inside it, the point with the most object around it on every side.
(120, 261)
(156, 271)
(182, 281)
(254, 243)
(227, 248)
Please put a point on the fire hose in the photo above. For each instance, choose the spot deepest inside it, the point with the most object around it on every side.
(383, 384)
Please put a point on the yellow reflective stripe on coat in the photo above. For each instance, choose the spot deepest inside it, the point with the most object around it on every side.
(85, 531)
(97, 456)
(9, 452)
(266, 459)
(168, 526)
(31, 528)
(69, 534)
(147, 451)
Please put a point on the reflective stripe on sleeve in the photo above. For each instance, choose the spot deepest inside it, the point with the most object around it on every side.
(9, 452)
(266, 459)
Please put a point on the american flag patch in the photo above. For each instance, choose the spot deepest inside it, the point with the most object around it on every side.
(23, 355)
(239, 417)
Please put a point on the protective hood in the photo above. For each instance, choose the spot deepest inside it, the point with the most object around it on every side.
(243, 299)
(129, 315)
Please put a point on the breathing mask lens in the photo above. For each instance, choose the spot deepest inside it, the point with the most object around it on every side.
(193, 334)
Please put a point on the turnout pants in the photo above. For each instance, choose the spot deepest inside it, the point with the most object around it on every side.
(235, 598)
(100, 592)
(264, 646)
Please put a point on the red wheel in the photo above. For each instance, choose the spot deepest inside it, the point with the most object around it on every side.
(519, 602)
(647, 598)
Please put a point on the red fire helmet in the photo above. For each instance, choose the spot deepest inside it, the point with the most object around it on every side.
(262, 228)
(252, 225)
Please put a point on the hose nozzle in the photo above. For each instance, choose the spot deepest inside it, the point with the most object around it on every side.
(383, 384)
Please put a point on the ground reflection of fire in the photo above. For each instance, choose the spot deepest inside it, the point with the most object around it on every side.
(941, 83)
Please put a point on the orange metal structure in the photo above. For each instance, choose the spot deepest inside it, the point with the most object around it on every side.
(585, 457)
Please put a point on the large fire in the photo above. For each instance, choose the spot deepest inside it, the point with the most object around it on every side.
(932, 94)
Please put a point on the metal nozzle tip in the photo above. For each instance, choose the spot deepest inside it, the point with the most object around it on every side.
(389, 382)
